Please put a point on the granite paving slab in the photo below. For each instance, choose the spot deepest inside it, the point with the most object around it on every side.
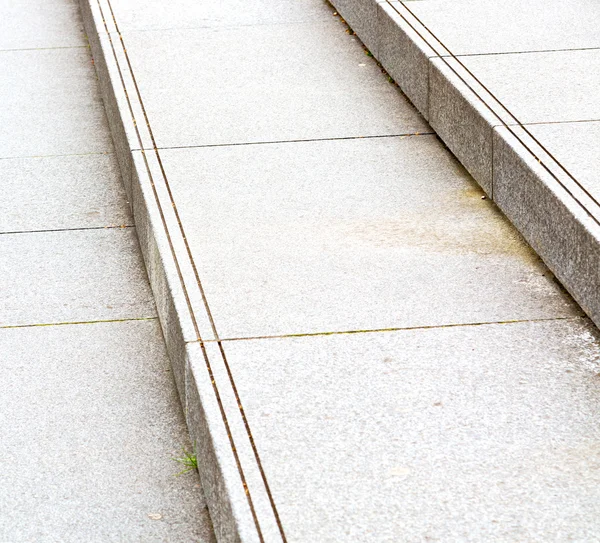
(577, 147)
(34, 24)
(350, 235)
(511, 63)
(315, 83)
(403, 51)
(72, 276)
(362, 18)
(159, 15)
(483, 433)
(51, 104)
(554, 86)
(464, 115)
(63, 192)
(479, 27)
(90, 423)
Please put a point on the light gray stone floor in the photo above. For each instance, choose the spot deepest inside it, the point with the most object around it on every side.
(512, 26)
(374, 233)
(408, 368)
(90, 420)
(530, 62)
(477, 70)
(485, 433)
(577, 147)
(239, 96)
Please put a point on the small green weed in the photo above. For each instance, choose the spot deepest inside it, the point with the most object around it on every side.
(188, 460)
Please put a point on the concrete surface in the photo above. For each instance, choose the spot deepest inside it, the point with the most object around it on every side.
(575, 146)
(311, 234)
(474, 444)
(474, 69)
(65, 192)
(90, 420)
(511, 26)
(49, 24)
(271, 98)
(541, 87)
(51, 105)
(155, 15)
(73, 276)
(474, 419)
(90, 423)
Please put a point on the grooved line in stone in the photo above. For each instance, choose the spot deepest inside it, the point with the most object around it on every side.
(174, 255)
(526, 52)
(190, 309)
(564, 122)
(309, 140)
(400, 329)
(507, 126)
(207, 360)
(43, 48)
(66, 323)
(82, 229)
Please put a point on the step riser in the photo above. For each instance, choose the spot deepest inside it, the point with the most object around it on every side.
(156, 230)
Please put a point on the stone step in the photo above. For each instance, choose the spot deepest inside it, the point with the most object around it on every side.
(510, 90)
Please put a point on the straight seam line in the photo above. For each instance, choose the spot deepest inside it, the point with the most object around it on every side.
(561, 122)
(523, 52)
(342, 138)
(399, 329)
(66, 323)
(111, 227)
(43, 48)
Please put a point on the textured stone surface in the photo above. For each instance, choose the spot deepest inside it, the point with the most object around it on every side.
(160, 15)
(484, 433)
(29, 24)
(363, 17)
(90, 424)
(89, 415)
(405, 55)
(575, 146)
(543, 87)
(50, 104)
(482, 27)
(72, 276)
(350, 235)
(316, 82)
(209, 429)
(493, 439)
(563, 232)
(463, 114)
(62, 192)
(178, 301)
(123, 108)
